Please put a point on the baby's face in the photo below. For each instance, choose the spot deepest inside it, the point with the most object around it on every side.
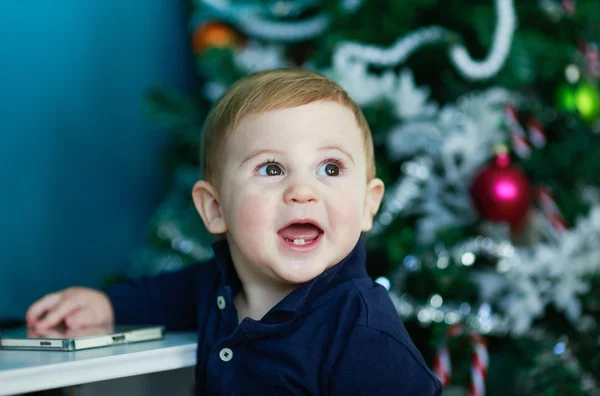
(293, 192)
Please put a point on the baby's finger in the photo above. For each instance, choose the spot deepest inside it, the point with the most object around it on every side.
(41, 306)
(56, 315)
(80, 318)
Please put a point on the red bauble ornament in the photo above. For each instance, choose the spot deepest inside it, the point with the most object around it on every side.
(501, 192)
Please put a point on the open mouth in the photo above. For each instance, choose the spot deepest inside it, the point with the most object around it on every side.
(301, 235)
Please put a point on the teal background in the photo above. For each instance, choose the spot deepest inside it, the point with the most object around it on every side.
(80, 166)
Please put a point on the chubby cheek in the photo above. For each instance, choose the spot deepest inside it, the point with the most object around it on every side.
(249, 219)
(344, 214)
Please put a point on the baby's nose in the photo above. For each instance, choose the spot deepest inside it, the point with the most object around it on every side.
(300, 192)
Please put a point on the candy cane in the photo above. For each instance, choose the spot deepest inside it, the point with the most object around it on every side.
(536, 133)
(519, 139)
(551, 210)
(479, 361)
(479, 365)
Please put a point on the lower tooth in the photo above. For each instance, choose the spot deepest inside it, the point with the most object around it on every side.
(299, 242)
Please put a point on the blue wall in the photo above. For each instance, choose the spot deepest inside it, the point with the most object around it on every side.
(79, 164)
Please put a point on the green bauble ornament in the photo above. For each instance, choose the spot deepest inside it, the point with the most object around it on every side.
(565, 98)
(587, 100)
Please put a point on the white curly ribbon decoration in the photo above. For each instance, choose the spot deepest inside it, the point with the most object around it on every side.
(348, 53)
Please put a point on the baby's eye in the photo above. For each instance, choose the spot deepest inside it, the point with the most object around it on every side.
(329, 169)
(270, 170)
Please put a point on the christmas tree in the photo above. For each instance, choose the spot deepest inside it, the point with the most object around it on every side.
(486, 122)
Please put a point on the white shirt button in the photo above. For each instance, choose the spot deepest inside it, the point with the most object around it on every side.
(226, 354)
(221, 302)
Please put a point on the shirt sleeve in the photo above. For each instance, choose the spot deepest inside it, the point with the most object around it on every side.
(167, 299)
(375, 363)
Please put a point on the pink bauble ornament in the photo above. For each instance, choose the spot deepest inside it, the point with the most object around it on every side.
(501, 192)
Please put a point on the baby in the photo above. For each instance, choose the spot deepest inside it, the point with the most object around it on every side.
(286, 305)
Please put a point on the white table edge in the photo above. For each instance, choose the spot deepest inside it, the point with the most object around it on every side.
(98, 369)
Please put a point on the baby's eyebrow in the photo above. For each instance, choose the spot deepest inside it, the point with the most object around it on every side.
(334, 147)
(271, 151)
(259, 152)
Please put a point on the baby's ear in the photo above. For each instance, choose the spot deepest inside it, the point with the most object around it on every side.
(373, 197)
(206, 200)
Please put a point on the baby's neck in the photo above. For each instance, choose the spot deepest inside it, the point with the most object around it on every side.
(254, 301)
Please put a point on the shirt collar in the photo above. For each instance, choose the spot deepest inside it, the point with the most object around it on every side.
(351, 267)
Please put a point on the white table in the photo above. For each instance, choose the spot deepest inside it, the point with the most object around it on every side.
(27, 371)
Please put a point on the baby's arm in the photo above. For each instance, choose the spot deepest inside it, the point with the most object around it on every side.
(166, 299)
(375, 363)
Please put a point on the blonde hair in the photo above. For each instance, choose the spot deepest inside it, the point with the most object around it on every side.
(271, 90)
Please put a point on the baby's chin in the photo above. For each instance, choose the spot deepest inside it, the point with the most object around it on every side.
(296, 272)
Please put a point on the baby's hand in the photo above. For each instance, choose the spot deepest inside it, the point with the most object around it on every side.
(76, 306)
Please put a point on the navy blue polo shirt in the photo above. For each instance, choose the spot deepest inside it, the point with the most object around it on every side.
(338, 334)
